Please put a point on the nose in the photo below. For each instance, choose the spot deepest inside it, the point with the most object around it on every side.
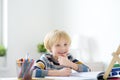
(63, 48)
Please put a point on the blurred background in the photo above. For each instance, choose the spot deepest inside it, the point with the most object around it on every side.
(92, 24)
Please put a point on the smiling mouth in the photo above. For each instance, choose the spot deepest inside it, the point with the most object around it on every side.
(62, 53)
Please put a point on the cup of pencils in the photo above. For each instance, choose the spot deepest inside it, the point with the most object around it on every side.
(24, 69)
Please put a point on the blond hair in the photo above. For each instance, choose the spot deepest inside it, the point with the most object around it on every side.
(55, 36)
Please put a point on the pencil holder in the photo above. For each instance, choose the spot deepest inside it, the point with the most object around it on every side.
(24, 69)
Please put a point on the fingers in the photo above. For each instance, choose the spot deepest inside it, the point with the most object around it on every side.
(68, 69)
(65, 72)
(62, 57)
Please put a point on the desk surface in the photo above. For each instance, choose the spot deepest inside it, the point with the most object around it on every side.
(78, 76)
(74, 76)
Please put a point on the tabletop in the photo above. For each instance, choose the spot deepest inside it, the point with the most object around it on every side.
(73, 76)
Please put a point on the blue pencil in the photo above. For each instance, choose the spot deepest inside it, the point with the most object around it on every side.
(27, 71)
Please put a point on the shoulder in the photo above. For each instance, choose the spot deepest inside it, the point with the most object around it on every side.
(45, 56)
(43, 61)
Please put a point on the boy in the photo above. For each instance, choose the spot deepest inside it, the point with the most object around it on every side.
(58, 62)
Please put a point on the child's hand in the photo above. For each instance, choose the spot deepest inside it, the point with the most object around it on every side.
(61, 72)
(65, 72)
(64, 61)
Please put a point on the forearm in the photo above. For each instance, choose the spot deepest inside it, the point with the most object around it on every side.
(39, 72)
(61, 72)
(79, 67)
(83, 68)
(74, 66)
(54, 73)
(42, 73)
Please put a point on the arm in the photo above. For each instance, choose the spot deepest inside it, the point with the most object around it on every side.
(61, 72)
(41, 71)
(64, 61)
(74, 64)
(81, 67)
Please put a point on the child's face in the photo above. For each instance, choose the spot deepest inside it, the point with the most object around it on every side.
(60, 48)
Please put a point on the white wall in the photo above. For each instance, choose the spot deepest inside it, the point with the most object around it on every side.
(98, 19)
(30, 20)
(0, 21)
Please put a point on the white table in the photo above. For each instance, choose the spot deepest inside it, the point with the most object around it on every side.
(78, 76)
(74, 76)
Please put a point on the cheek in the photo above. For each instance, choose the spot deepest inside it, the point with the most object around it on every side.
(54, 50)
